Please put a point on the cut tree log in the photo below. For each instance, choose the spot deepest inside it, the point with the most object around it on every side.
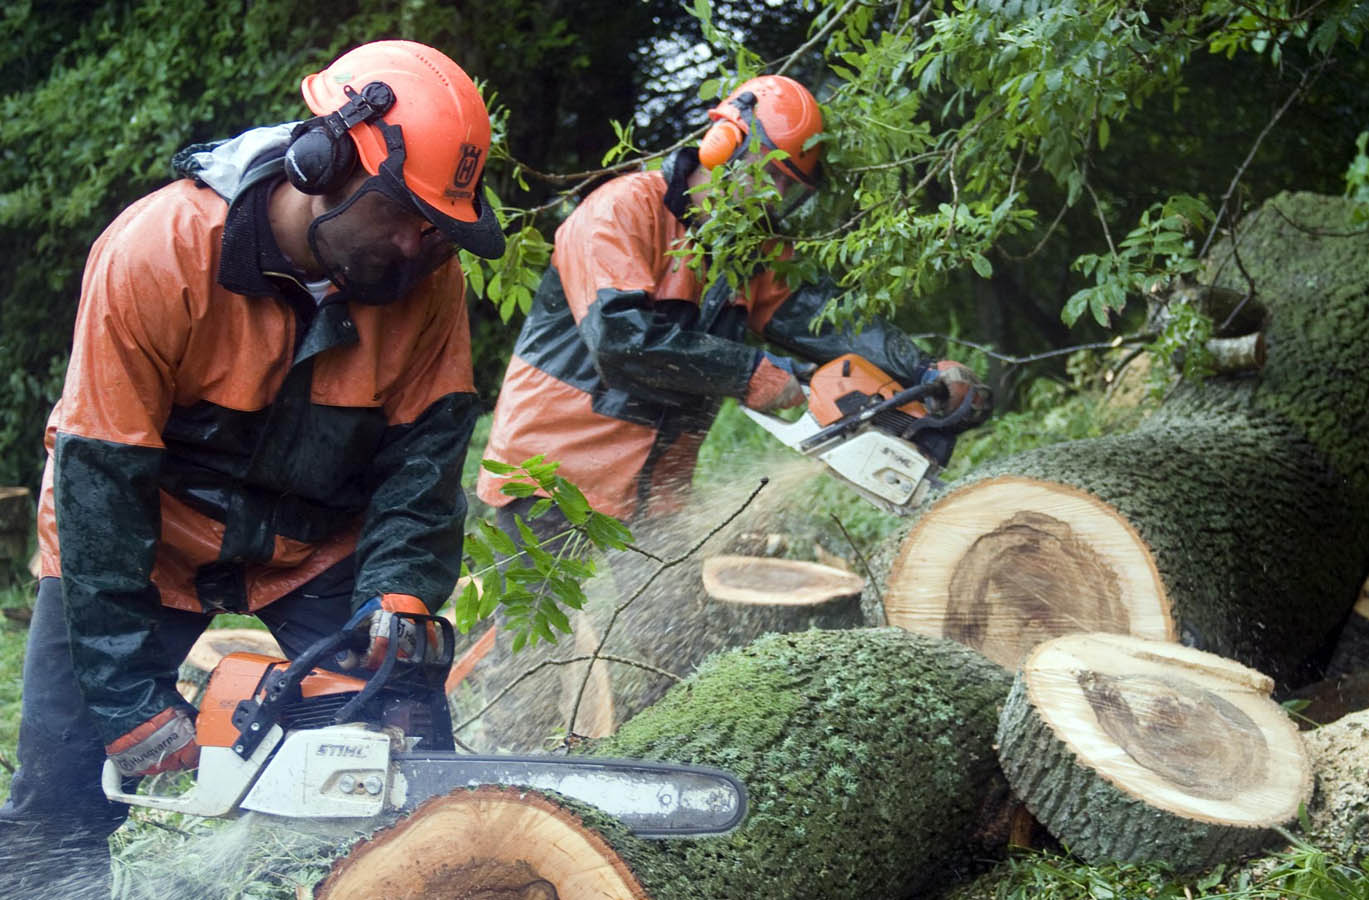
(868, 763)
(866, 754)
(486, 843)
(1234, 519)
(769, 581)
(1338, 815)
(670, 627)
(1132, 750)
(211, 647)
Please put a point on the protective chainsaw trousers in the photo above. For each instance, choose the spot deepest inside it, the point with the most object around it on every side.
(54, 828)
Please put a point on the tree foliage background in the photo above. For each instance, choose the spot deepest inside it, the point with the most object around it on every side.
(1015, 174)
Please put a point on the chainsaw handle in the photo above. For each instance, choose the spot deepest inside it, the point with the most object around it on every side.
(860, 417)
(254, 718)
(946, 422)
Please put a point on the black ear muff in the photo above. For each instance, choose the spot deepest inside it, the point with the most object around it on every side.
(321, 155)
(316, 162)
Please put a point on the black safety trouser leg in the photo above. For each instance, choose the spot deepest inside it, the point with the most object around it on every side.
(55, 825)
(54, 828)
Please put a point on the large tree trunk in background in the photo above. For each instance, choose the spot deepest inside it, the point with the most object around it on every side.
(672, 626)
(1131, 750)
(1234, 519)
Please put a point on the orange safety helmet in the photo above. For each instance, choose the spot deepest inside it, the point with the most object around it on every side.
(786, 114)
(432, 121)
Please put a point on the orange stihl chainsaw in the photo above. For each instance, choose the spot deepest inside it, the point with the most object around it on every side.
(289, 739)
(872, 432)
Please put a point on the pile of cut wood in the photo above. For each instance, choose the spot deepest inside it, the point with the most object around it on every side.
(1091, 638)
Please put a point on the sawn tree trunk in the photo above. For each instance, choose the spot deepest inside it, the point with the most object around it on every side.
(1234, 519)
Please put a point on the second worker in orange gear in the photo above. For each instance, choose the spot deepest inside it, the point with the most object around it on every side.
(627, 353)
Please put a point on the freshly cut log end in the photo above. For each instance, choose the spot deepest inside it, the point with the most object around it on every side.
(1134, 750)
(487, 843)
(782, 582)
(1006, 563)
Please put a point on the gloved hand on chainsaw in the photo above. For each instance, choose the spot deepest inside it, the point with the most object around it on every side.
(376, 619)
(960, 380)
(775, 384)
(164, 743)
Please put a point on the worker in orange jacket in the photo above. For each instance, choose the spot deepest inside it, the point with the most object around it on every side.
(266, 411)
(627, 353)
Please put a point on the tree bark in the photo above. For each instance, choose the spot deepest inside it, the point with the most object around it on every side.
(867, 755)
(1131, 750)
(1234, 519)
(16, 522)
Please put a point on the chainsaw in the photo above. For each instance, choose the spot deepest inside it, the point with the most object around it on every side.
(290, 740)
(872, 432)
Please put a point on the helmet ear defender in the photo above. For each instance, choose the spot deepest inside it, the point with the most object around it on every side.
(726, 138)
(719, 143)
(321, 155)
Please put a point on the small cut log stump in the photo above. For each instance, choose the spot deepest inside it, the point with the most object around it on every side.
(807, 591)
(674, 623)
(1133, 750)
(213, 646)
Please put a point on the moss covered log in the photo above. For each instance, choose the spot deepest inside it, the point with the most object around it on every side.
(1247, 495)
(867, 755)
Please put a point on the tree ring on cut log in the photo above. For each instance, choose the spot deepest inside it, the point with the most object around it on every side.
(1006, 563)
(481, 844)
(1181, 731)
(1187, 731)
(778, 582)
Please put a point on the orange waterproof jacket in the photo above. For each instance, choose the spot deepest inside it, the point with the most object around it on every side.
(626, 355)
(221, 438)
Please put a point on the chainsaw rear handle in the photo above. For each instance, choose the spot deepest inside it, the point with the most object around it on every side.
(947, 422)
(254, 718)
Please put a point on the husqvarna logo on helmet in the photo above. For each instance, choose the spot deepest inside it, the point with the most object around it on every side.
(466, 167)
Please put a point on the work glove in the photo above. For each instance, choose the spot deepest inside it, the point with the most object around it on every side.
(375, 619)
(775, 384)
(959, 380)
(164, 743)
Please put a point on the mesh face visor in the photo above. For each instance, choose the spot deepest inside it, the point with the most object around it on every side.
(376, 246)
(367, 244)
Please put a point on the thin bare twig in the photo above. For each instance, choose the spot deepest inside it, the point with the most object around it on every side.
(1140, 337)
(613, 619)
(1250, 156)
(822, 33)
(533, 670)
(864, 563)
